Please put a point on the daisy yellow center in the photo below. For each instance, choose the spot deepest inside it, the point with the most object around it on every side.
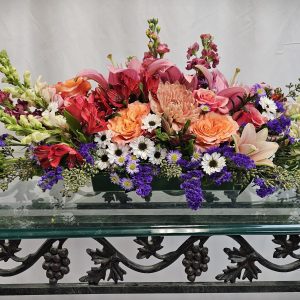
(132, 167)
(121, 159)
(127, 183)
(174, 157)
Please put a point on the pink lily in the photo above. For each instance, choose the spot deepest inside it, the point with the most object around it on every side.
(94, 75)
(254, 145)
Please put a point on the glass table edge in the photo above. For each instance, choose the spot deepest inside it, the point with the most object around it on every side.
(233, 229)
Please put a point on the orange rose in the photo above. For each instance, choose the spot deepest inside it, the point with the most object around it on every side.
(127, 125)
(73, 87)
(212, 129)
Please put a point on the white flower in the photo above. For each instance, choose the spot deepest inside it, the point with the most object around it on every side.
(213, 163)
(268, 115)
(151, 122)
(103, 138)
(102, 162)
(268, 105)
(116, 151)
(132, 167)
(49, 117)
(158, 155)
(142, 147)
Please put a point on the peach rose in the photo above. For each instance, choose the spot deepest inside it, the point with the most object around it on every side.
(73, 87)
(212, 129)
(127, 125)
(215, 102)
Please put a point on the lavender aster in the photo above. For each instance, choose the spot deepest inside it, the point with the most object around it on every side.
(126, 184)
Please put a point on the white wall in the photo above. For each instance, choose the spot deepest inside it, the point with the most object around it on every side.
(58, 38)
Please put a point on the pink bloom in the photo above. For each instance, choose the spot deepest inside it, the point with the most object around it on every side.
(192, 50)
(162, 49)
(176, 103)
(254, 145)
(249, 114)
(216, 103)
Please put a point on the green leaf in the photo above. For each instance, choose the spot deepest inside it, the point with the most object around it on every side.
(188, 147)
(186, 126)
(72, 122)
(162, 135)
(82, 138)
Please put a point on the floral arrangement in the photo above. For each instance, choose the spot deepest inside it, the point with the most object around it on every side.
(148, 119)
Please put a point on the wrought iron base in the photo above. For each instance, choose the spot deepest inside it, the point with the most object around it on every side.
(109, 263)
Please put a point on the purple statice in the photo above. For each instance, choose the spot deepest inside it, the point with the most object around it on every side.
(85, 151)
(221, 177)
(142, 180)
(263, 189)
(280, 106)
(192, 188)
(279, 125)
(2, 139)
(241, 160)
(50, 177)
(189, 165)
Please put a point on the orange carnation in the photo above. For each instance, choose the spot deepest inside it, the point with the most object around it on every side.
(212, 129)
(73, 87)
(127, 125)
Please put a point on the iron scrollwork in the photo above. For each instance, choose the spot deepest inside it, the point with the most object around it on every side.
(110, 261)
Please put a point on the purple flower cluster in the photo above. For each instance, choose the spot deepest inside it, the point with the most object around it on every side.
(221, 177)
(50, 177)
(2, 139)
(280, 125)
(142, 180)
(192, 188)
(280, 106)
(263, 189)
(84, 150)
(240, 160)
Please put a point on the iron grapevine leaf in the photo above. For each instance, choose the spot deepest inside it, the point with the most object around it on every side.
(108, 260)
(150, 246)
(287, 246)
(8, 249)
(244, 260)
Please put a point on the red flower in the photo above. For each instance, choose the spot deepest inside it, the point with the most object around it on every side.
(51, 156)
(249, 114)
(85, 111)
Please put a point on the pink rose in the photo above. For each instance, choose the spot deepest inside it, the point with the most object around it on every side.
(249, 114)
(215, 102)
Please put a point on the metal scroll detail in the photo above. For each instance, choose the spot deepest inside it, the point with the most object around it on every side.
(245, 258)
(109, 258)
(110, 262)
(9, 248)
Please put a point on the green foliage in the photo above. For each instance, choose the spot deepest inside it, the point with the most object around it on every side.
(75, 127)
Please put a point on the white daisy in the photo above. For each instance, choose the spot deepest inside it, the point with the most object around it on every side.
(213, 163)
(158, 155)
(268, 115)
(103, 161)
(151, 122)
(142, 147)
(116, 151)
(268, 105)
(103, 138)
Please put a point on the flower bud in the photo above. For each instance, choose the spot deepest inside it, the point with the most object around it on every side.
(36, 124)
(27, 79)
(24, 122)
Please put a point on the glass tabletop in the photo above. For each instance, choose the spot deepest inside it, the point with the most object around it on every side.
(119, 214)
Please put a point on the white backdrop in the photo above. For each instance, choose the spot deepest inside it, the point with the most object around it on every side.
(58, 38)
